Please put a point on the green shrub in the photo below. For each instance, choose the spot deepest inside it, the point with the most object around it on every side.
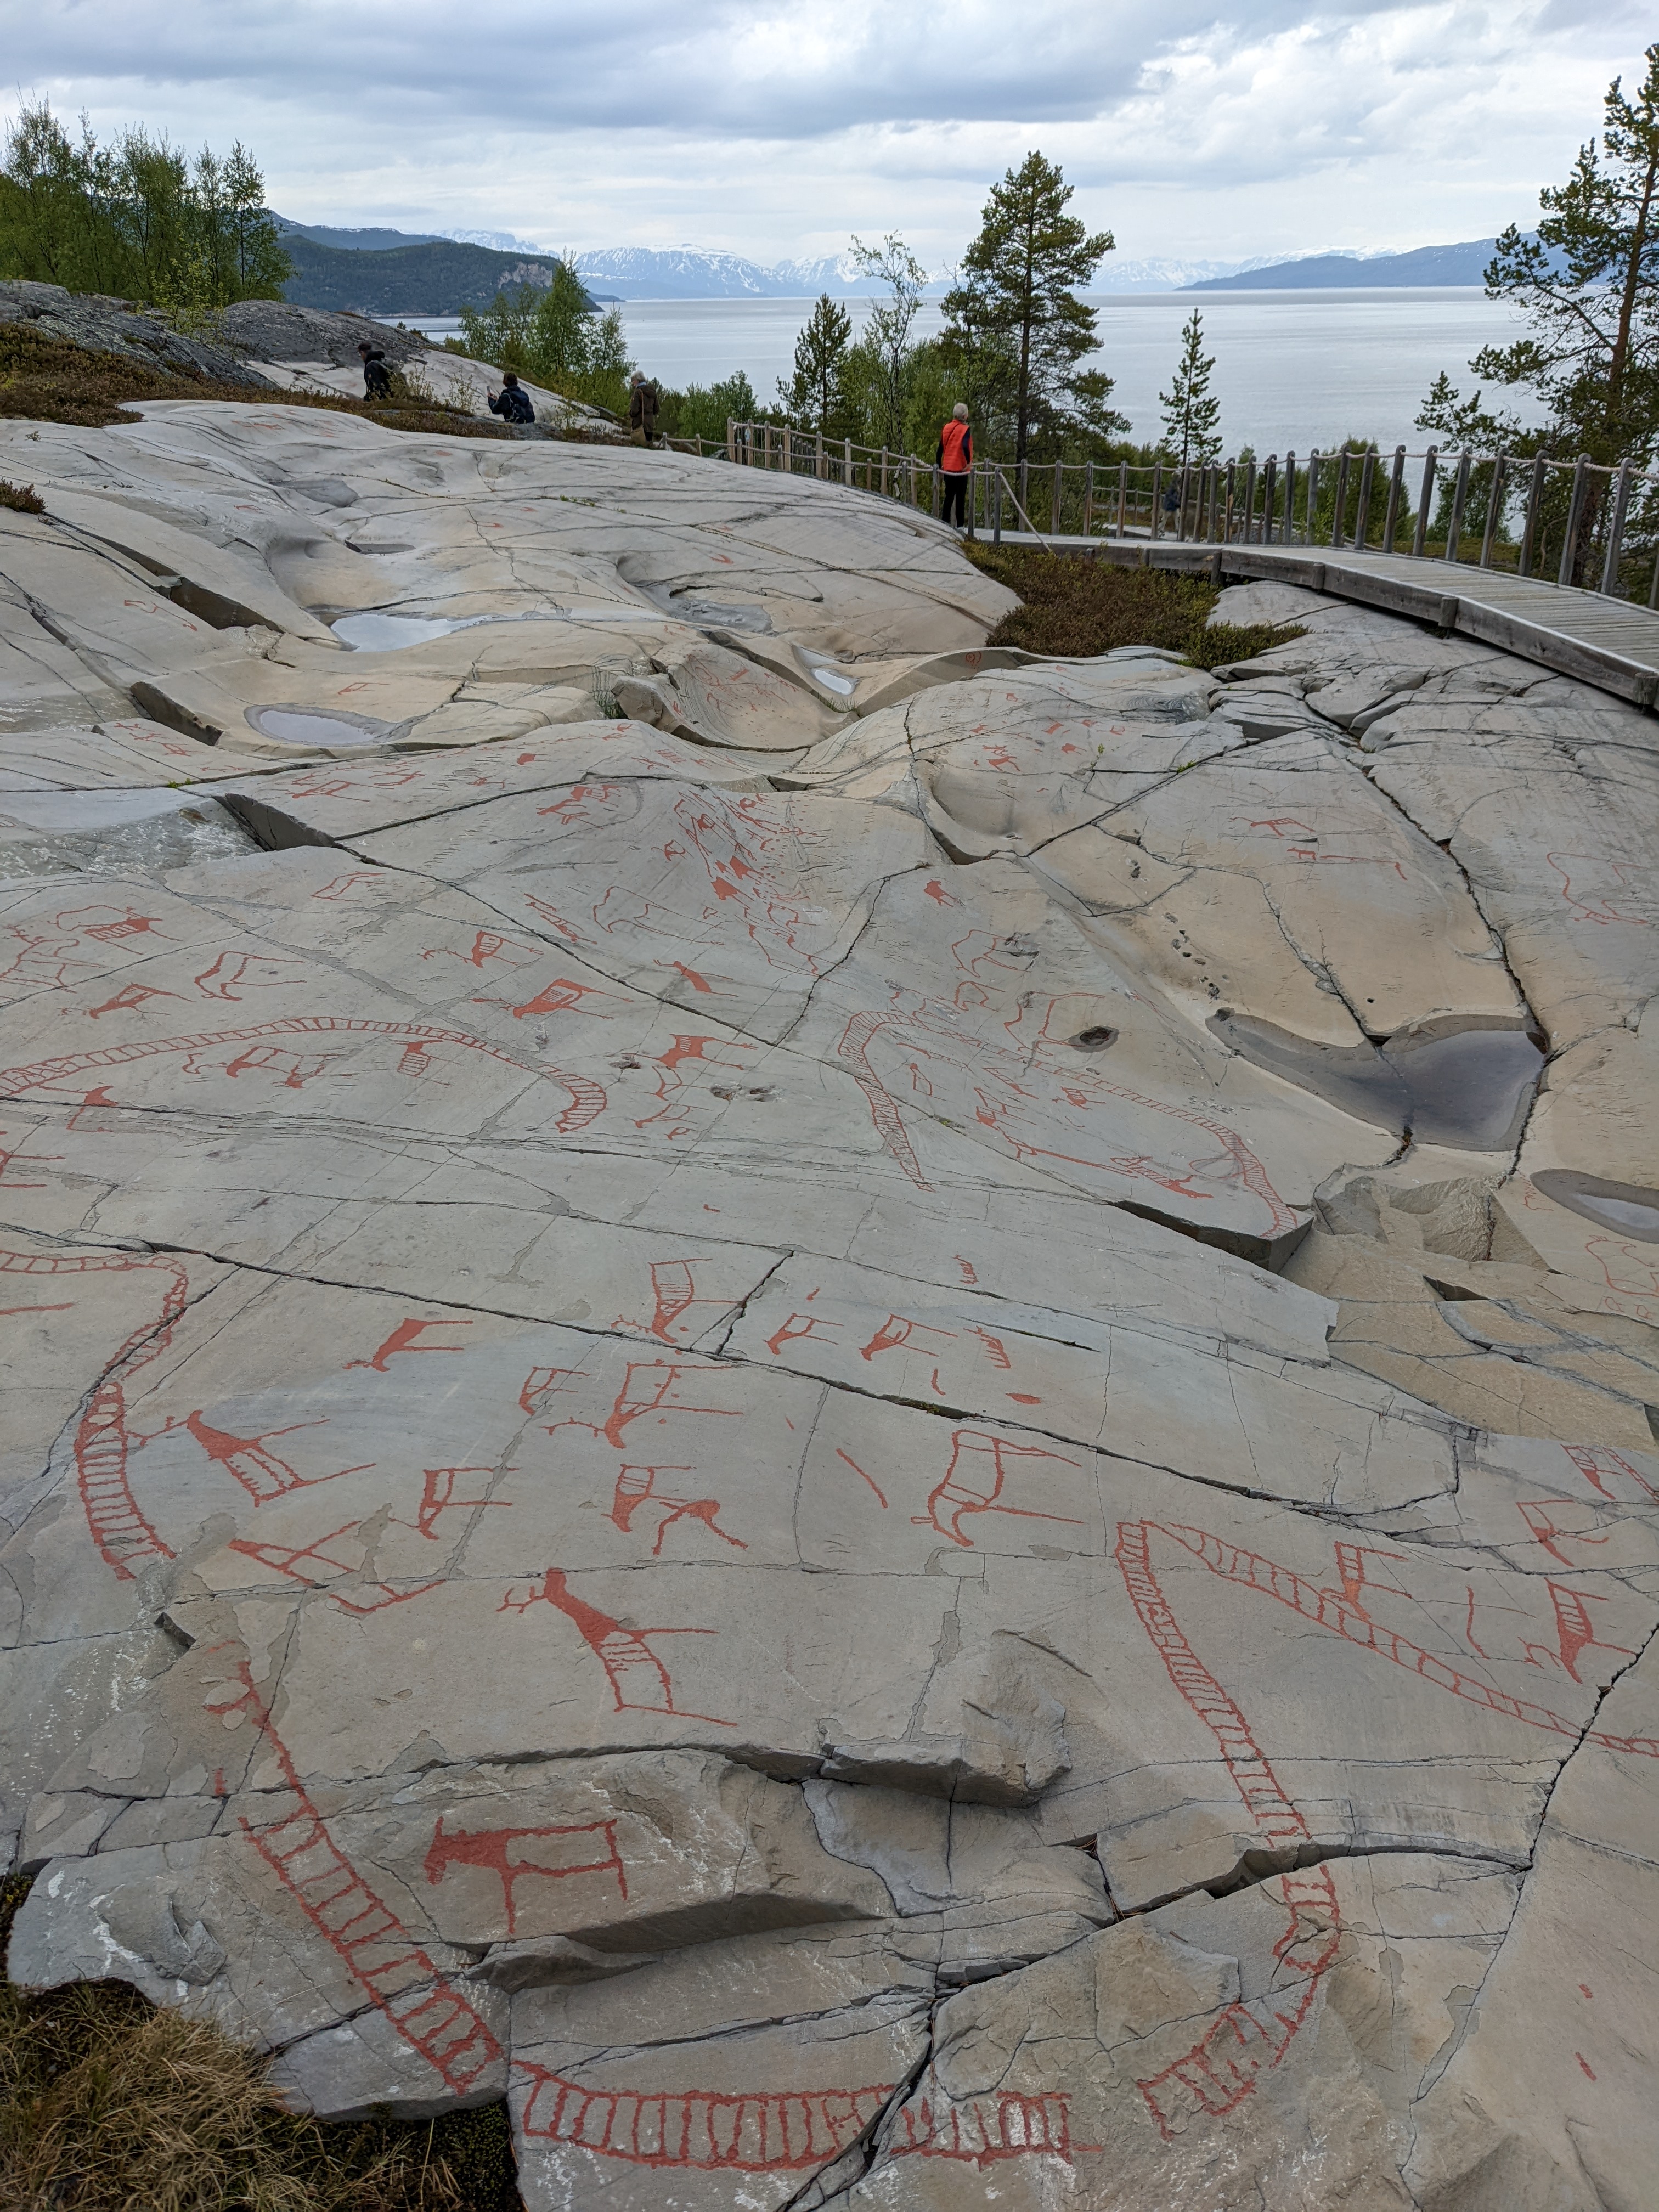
(1076, 607)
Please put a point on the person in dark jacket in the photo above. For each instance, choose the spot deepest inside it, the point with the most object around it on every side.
(377, 377)
(643, 401)
(955, 461)
(512, 402)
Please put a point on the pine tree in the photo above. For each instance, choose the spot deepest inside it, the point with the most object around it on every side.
(1191, 413)
(1021, 277)
(815, 398)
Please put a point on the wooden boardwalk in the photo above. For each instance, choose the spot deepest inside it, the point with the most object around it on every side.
(1605, 641)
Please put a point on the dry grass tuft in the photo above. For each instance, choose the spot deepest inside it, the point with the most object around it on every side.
(44, 380)
(1076, 607)
(109, 2104)
(23, 498)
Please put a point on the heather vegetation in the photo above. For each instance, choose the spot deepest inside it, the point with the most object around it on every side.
(1072, 609)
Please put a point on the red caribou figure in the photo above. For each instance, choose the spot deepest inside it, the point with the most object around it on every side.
(956, 461)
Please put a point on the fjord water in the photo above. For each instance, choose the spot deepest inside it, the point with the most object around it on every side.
(1292, 368)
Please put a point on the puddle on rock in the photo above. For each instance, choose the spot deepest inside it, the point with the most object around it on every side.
(305, 726)
(1468, 1087)
(1628, 1208)
(378, 633)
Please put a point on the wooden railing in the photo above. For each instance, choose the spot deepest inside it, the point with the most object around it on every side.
(1566, 521)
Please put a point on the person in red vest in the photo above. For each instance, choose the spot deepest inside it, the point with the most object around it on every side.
(955, 459)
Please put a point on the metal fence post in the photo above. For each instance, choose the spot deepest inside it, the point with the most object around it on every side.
(1535, 503)
(1494, 508)
(1419, 538)
(1616, 530)
(1574, 517)
(1460, 496)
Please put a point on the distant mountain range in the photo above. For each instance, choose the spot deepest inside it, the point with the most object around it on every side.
(1465, 263)
(437, 273)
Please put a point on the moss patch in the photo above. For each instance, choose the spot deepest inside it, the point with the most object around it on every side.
(1076, 607)
(44, 380)
(108, 2104)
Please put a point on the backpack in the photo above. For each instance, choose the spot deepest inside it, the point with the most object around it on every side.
(518, 408)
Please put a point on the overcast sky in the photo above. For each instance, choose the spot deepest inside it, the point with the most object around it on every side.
(776, 128)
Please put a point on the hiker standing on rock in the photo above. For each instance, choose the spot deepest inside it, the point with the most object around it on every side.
(955, 460)
(512, 403)
(643, 401)
(377, 377)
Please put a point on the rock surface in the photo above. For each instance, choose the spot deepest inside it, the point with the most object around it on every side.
(891, 1439)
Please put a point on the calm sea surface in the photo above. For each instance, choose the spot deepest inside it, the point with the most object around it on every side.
(1292, 368)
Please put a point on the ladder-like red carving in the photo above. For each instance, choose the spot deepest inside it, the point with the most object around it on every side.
(102, 1440)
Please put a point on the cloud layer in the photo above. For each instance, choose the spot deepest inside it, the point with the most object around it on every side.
(774, 127)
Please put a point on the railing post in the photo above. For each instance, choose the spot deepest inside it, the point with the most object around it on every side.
(730, 440)
(1574, 517)
(1054, 502)
(1362, 516)
(883, 471)
(1494, 508)
(1157, 499)
(1089, 499)
(1227, 516)
(1311, 508)
(1122, 497)
(1339, 517)
(1023, 496)
(996, 503)
(847, 462)
(817, 457)
(1269, 498)
(1249, 533)
(1419, 538)
(1616, 530)
(1529, 530)
(1396, 489)
(1460, 496)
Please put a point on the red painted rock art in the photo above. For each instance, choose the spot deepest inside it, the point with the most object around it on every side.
(103, 1441)
(1222, 2067)
(637, 1488)
(405, 1338)
(640, 1682)
(201, 1056)
(343, 1582)
(981, 1464)
(516, 1855)
(261, 1473)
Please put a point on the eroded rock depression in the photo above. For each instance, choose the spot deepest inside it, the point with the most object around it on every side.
(879, 1417)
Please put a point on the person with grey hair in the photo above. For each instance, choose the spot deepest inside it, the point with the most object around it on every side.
(955, 460)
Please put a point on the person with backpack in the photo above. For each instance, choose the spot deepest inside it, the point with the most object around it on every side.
(643, 400)
(512, 403)
(377, 377)
(955, 461)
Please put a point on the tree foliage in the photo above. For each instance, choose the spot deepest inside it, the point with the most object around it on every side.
(1015, 306)
(816, 396)
(1191, 411)
(551, 334)
(1589, 285)
(135, 218)
(884, 341)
